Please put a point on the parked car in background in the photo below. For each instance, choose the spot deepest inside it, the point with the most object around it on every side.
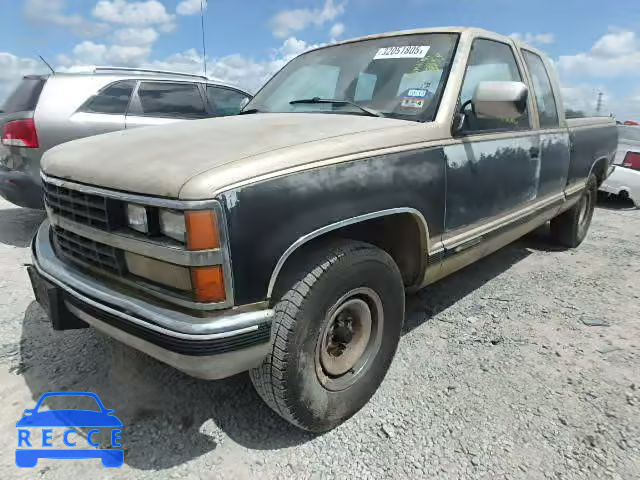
(47, 110)
(282, 240)
(624, 181)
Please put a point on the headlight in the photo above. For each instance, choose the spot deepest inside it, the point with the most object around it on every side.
(172, 225)
(197, 230)
(137, 218)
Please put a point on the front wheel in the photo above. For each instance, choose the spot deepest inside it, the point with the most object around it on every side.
(570, 228)
(335, 332)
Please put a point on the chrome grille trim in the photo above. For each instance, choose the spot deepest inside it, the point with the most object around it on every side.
(84, 251)
(77, 206)
(117, 239)
(147, 248)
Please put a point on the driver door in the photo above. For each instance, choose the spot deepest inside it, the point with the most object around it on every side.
(496, 167)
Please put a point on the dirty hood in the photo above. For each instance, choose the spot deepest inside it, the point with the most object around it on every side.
(161, 160)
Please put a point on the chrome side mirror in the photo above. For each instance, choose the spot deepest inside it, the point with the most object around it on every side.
(503, 100)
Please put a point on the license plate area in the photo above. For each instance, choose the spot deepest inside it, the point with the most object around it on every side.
(51, 299)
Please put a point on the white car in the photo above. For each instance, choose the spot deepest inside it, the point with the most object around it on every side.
(625, 178)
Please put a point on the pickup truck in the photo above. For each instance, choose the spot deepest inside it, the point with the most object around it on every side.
(282, 241)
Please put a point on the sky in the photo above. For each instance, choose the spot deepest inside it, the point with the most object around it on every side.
(594, 44)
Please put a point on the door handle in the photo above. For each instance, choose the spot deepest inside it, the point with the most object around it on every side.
(534, 152)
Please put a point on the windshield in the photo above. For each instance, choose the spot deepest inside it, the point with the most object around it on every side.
(399, 77)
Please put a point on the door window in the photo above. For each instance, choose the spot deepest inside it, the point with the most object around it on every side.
(547, 109)
(225, 101)
(112, 100)
(164, 99)
(489, 61)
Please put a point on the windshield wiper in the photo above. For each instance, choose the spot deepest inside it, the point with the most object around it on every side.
(250, 111)
(335, 101)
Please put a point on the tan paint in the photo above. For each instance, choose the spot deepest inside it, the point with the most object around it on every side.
(485, 248)
(547, 208)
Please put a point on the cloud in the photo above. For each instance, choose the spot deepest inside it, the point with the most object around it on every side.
(144, 13)
(135, 36)
(611, 66)
(287, 22)
(582, 97)
(244, 71)
(190, 7)
(616, 44)
(336, 31)
(13, 68)
(52, 12)
(240, 70)
(615, 54)
(535, 38)
(90, 53)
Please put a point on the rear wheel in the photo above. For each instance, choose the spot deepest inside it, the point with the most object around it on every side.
(335, 332)
(570, 228)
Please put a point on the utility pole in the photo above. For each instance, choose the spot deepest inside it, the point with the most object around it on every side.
(599, 104)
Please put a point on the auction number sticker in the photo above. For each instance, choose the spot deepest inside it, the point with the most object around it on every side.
(409, 51)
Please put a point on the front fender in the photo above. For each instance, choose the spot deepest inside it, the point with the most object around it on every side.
(268, 220)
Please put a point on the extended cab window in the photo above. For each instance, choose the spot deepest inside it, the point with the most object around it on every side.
(114, 99)
(165, 99)
(489, 61)
(225, 101)
(547, 109)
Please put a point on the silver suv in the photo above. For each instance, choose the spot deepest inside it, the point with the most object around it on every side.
(45, 111)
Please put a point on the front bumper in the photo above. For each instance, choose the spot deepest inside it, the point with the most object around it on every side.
(203, 347)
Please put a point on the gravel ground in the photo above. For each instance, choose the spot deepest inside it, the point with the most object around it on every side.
(524, 365)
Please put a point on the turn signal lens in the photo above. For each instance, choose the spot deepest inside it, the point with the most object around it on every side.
(208, 283)
(202, 230)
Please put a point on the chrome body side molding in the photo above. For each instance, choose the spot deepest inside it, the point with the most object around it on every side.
(422, 223)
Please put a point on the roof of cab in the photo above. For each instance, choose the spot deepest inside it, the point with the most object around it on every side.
(479, 31)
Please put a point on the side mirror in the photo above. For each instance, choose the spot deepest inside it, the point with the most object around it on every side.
(502, 100)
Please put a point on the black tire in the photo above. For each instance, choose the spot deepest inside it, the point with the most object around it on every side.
(570, 228)
(293, 380)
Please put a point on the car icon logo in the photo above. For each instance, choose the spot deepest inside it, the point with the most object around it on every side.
(35, 433)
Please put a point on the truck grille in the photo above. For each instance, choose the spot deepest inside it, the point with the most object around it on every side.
(77, 206)
(86, 252)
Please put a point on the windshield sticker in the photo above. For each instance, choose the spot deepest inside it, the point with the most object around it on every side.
(409, 102)
(415, 92)
(410, 51)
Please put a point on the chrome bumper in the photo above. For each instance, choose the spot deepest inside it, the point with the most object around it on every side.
(204, 347)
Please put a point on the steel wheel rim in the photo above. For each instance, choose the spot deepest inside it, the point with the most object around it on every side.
(585, 203)
(350, 339)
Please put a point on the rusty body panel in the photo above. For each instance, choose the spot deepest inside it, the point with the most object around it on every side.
(267, 217)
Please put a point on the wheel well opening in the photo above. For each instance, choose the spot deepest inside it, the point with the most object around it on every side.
(400, 235)
(600, 170)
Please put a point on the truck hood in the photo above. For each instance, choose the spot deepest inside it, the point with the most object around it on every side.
(194, 159)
